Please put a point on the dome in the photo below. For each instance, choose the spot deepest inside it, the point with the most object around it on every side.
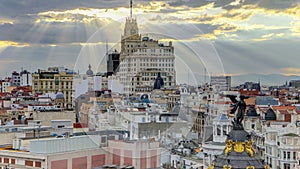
(270, 114)
(251, 112)
(238, 153)
(59, 95)
(89, 72)
(144, 96)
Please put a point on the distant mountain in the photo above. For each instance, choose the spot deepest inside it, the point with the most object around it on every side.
(270, 79)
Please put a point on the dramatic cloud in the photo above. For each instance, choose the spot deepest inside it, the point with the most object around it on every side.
(237, 21)
(258, 36)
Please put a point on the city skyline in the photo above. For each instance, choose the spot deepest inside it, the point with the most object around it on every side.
(227, 37)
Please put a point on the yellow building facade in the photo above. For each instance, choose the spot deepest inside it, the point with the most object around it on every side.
(54, 81)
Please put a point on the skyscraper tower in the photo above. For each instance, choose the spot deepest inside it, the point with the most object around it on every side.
(130, 36)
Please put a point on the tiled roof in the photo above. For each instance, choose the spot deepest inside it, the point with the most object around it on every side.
(283, 108)
(223, 102)
(284, 112)
(266, 100)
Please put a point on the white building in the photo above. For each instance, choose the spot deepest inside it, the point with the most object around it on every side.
(178, 161)
(287, 150)
(142, 59)
(81, 86)
(222, 83)
(53, 153)
(189, 97)
(282, 142)
(221, 127)
(114, 85)
(5, 84)
(81, 152)
(15, 78)
(26, 78)
(89, 82)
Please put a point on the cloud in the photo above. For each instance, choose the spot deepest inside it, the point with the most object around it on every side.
(250, 17)
(8, 61)
(295, 28)
(79, 15)
(154, 6)
(6, 21)
(264, 57)
(264, 37)
(13, 8)
(11, 43)
(268, 35)
(256, 33)
(53, 30)
(37, 56)
(273, 4)
(77, 21)
(207, 36)
(290, 71)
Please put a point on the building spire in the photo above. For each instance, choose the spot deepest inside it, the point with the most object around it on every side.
(130, 8)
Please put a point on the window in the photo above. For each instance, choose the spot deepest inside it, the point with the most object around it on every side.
(13, 161)
(287, 166)
(28, 163)
(152, 118)
(38, 164)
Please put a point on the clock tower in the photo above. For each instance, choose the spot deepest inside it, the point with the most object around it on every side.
(131, 36)
(131, 27)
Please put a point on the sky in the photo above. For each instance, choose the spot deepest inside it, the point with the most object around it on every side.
(218, 37)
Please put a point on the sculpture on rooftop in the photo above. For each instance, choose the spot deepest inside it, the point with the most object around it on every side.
(159, 81)
(240, 107)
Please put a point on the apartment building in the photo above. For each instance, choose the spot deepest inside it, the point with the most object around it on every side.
(54, 80)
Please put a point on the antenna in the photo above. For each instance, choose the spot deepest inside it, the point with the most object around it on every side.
(130, 8)
(106, 46)
(106, 51)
